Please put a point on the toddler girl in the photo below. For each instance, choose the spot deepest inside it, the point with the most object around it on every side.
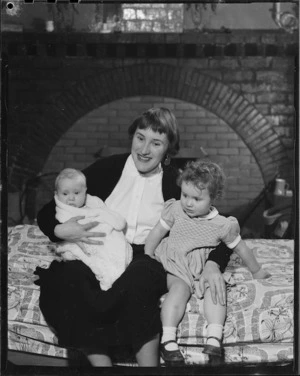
(195, 228)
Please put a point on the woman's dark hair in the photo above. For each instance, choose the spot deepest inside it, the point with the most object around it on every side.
(160, 120)
(202, 173)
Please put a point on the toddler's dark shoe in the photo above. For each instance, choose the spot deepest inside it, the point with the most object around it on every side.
(171, 357)
(215, 353)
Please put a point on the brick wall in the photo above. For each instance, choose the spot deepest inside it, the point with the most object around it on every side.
(239, 108)
(108, 125)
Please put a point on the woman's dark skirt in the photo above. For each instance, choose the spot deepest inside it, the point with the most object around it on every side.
(84, 316)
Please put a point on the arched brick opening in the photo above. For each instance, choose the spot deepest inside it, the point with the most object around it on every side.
(108, 125)
(187, 84)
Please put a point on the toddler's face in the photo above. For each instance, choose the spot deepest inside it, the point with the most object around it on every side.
(194, 202)
(71, 192)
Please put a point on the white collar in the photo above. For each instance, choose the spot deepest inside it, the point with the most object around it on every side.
(213, 212)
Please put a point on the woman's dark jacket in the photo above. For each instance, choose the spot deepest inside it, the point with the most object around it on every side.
(102, 177)
(71, 300)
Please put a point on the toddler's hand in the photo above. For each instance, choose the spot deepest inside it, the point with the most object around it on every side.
(261, 274)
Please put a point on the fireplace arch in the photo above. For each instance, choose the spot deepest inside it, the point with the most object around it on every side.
(189, 84)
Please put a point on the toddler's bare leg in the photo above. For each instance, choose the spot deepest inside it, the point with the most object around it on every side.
(215, 315)
(174, 305)
(173, 309)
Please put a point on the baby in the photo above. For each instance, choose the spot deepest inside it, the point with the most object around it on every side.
(109, 260)
(195, 228)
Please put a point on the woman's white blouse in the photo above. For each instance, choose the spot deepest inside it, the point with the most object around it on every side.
(139, 200)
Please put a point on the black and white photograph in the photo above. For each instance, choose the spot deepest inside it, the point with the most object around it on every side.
(149, 187)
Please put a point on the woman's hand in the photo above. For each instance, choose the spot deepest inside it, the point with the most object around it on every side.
(211, 274)
(72, 231)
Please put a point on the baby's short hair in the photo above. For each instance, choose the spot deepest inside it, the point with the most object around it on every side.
(70, 173)
(204, 172)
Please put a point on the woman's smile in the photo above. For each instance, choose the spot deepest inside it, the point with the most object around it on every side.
(143, 158)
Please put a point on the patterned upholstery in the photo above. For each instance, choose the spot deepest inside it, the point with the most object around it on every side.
(258, 328)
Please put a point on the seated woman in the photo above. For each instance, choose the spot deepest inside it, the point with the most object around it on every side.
(136, 186)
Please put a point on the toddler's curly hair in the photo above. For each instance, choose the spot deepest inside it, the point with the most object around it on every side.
(204, 173)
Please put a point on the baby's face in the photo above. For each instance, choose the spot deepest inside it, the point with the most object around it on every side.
(71, 192)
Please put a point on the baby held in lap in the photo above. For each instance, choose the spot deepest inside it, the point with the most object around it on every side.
(107, 260)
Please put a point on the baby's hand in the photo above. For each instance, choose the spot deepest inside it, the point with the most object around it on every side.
(261, 274)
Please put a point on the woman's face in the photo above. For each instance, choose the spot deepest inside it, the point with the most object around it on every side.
(148, 150)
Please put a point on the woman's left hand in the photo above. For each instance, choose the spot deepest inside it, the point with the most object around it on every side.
(211, 274)
(72, 231)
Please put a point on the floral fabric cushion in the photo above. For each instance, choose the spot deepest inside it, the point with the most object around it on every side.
(259, 324)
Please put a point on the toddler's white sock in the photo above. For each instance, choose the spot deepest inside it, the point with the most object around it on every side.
(169, 333)
(214, 330)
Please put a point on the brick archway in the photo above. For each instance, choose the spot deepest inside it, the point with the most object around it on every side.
(186, 84)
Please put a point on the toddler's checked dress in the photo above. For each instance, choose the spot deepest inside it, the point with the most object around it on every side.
(184, 252)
